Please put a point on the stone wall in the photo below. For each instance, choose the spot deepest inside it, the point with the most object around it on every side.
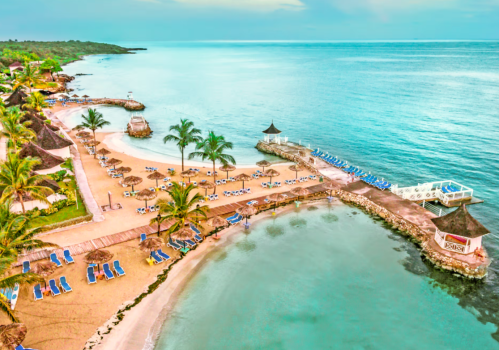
(269, 149)
(139, 134)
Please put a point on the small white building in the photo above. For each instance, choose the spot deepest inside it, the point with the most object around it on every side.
(53, 143)
(459, 231)
(49, 163)
(16, 67)
(272, 134)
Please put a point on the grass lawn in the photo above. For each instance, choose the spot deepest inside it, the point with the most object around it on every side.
(65, 213)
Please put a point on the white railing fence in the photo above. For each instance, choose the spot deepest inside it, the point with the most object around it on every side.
(433, 191)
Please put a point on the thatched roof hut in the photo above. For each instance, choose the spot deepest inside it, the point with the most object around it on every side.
(37, 124)
(47, 159)
(461, 223)
(18, 97)
(49, 140)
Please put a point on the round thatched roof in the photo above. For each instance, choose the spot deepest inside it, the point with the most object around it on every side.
(183, 234)
(246, 210)
(83, 133)
(217, 221)
(156, 176)
(263, 163)
(151, 244)
(93, 143)
(189, 173)
(271, 172)
(242, 177)
(12, 335)
(132, 180)
(227, 167)
(276, 197)
(122, 170)
(300, 191)
(78, 128)
(103, 151)
(75, 95)
(296, 167)
(113, 162)
(98, 256)
(44, 268)
(145, 195)
(85, 96)
(331, 186)
(461, 223)
(206, 185)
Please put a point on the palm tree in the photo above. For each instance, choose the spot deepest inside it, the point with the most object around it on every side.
(185, 135)
(29, 77)
(14, 130)
(17, 180)
(212, 148)
(36, 101)
(182, 208)
(94, 121)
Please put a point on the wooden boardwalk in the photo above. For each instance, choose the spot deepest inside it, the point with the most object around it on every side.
(125, 236)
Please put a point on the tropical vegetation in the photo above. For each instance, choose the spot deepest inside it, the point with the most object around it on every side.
(35, 101)
(52, 66)
(29, 77)
(213, 148)
(16, 131)
(94, 120)
(181, 209)
(184, 134)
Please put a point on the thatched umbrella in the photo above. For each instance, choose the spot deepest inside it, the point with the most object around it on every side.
(94, 143)
(98, 257)
(131, 180)
(78, 128)
(206, 185)
(75, 95)
(156, 176)
(103, 152)
(246, 210)
(263, 164)
(12, 335)
(150, 245)
(276, 198)
(122, 170)
(331, 187)
(242, 177)
(271, 173)
(300, 191)
(217, 221)
(183, 234)
(296, 168)
(85, 97)
(227, 168)
(44, 269)
(189, 174)
(113, 162)
(146, 195)
(83, 134)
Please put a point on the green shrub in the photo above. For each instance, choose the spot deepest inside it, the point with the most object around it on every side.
(59, 176)
(48, 211)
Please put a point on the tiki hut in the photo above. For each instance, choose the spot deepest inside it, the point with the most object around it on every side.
(113, 162)
(183, 234)
(217, 221)
(271, 173)
(189, 174)
(263, 164)
(272, 134)
(276, 198)
(156, 176)
(242, 177)
(206, 185)
(75, 96)
(152, 244)
(53, 143)
(246, 211)
(300, 192)
(18, 97)
(49, 163)
(227, 168)
(296, 168)
(98, 256)
(44, 269)
(103, 152)
(146, 195)
(83, 134)
(459, 231)
(12, 335)
(36, 124)
(131, 181)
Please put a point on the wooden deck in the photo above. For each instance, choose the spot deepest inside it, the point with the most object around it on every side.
(120, 237)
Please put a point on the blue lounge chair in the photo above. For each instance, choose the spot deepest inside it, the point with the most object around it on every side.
(37, 292)
(66, 288)
(232, 217)
(107, 271)
(188, 243)
(67, 257)
(173, 244)
(54, 289)
(236, 220)
(55, 260)
(163, 255)
(26, 266)
(197, 237)
(90, 275)
(118, 269)
(156, 258)
(143, 237)
(20, 347)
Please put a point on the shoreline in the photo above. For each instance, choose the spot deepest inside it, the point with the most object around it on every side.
(137, 333)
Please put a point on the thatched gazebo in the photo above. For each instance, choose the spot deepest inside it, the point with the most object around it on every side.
(47, 160)
(206, 185)
(85, 97)
(227, 167)
(276, 198)
(296, 168)
(246, 211)
(271, 173)
(131, 181)
(12, 335)
(156, 176)
(49, 140)
(44, 269)
(263, 164)
(189, 174)
(18, 97)
(103, 152)
(122, 170)
(98, 257)
(113, 162)
(242, 177)
(183, 234)
(151, 244)
(75, 95)
(146, 195)
(459, 232)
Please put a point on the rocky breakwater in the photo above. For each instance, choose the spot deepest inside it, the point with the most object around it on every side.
(271, 149)
(129, 105)
(138, 127)
(477, 269)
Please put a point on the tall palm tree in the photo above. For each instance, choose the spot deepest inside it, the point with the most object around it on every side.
(29, 77)
(17, 180)
(183, 207)
(14, 130)
(36, 101)
(213, 148)
(185, 135)
(94, 121)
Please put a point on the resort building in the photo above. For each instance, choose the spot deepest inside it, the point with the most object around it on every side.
(49, 163)
(37, 123)
(16, 67)
(53, 143)
(272, 134)
(459, 231)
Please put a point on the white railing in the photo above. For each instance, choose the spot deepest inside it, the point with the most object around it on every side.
(433, 191)
(455, 247)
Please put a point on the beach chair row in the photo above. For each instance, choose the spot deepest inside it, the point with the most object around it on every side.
(224, 181)
(149, 209)
(106, 271)
(449, 189)
(270, 185)
(212, 197)
(373, 180)
(238, 192)
(53, 257)
(54, 289)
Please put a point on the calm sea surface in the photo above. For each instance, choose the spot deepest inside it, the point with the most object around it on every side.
(410, 112)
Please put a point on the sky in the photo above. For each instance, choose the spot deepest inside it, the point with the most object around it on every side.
(158, 20)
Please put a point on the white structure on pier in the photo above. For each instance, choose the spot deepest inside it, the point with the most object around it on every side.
(459, 231)
(446, 192)
(272, 134)
(137, 123)
(129, 96)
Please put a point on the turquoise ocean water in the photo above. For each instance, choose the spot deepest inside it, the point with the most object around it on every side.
(410, 112)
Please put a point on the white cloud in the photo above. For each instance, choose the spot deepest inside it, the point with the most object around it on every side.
(254, 5)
